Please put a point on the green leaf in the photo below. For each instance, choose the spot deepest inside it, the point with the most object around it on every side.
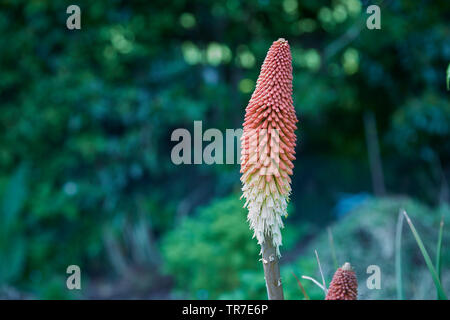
(12, 259)
(14, 198)
(439, 249)
(448, 77)
(398, 258)
(434, 275)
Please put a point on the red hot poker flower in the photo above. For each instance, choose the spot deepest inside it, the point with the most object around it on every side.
(268, 144)
(344, 285)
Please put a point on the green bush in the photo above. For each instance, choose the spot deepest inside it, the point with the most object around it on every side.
(209, 251)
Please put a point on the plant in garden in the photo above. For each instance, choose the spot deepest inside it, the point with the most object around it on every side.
(268, 144)
(435, 274)
(344, 285)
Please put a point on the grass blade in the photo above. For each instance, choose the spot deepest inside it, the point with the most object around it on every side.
(398, 257)
(301, 286)
(448, 77)
(321, 272)
(317, 283)
(439, 249)
(437, 283)
(333, 251)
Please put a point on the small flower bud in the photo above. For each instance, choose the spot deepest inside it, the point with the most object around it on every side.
(344, 285)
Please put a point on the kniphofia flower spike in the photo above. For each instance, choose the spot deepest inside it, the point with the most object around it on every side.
(268, 144)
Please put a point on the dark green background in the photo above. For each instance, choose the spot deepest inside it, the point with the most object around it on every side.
(86, 118)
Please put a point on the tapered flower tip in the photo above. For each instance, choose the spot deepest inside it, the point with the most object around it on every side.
(344, 285)
(268, 145)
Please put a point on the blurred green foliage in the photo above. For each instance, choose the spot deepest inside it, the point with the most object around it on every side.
(12, 239)
(215, 242)
(196, 254)
(366, 236)
(86, 117)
